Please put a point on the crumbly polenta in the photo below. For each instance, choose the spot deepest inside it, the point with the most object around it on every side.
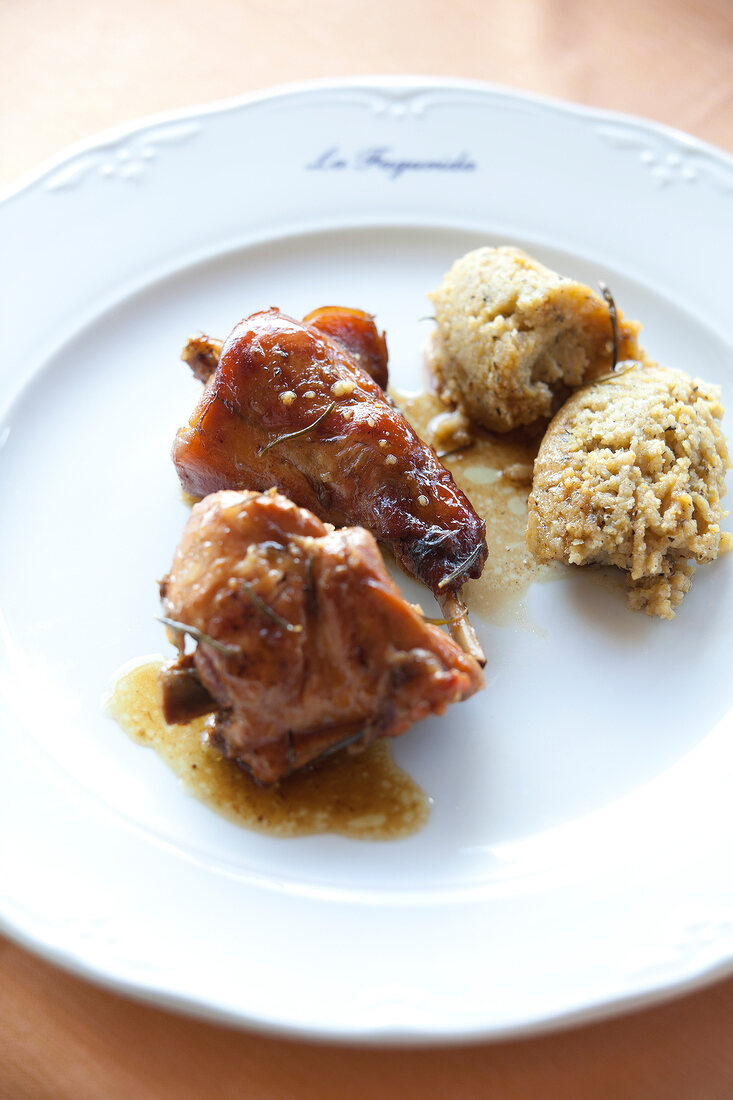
(513, 338)
(631, 473)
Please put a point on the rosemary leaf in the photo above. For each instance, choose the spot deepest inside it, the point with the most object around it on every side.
(454, 450)
(309, 586)
(631, 365)
(446, 622)
(199, 636)
(292, 628)
(461, 568)
(301, 431)
(613, 314)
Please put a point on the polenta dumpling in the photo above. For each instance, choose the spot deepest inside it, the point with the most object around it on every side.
(513, 338)
(630, 473)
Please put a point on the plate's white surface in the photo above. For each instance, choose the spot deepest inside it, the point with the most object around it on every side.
(578, 854)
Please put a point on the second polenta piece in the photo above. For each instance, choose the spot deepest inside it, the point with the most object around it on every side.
(630, 473)
(513, 338)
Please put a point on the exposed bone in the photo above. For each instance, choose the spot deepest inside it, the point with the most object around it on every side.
(456, 613)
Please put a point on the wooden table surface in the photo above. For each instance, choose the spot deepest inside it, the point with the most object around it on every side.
(69, 68)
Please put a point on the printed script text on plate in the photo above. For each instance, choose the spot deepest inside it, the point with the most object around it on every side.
(384, 159)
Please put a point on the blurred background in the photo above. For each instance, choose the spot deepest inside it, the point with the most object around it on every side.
(69, 68)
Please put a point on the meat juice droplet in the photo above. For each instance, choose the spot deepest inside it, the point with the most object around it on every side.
(364, 797)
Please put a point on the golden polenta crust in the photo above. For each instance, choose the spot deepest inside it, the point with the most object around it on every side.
(631, 473)
(513, 337)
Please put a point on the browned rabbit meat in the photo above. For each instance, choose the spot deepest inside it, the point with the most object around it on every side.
(352, 328)
(288, 406)
(304, 643)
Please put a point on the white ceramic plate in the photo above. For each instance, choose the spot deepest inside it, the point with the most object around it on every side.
(577, 859)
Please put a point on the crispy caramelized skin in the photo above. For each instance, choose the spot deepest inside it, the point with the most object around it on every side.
(202, 354)
(354, 330)
(290, 407)
(309, 645)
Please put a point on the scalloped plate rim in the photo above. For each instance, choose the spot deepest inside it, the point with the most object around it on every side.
(386, 84)
(660, 988)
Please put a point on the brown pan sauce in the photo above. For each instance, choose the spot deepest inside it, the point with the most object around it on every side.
(365, 796)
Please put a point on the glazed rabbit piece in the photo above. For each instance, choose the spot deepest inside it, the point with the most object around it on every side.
(290, 406)
(354, 329)
(305, 644)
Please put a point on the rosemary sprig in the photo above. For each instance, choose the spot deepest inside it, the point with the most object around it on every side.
(613, 314)
(300, 431)
(292, 628)
(625, 368)
(351, 739)
(454, 450)
(461, 568)
(199, 636)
